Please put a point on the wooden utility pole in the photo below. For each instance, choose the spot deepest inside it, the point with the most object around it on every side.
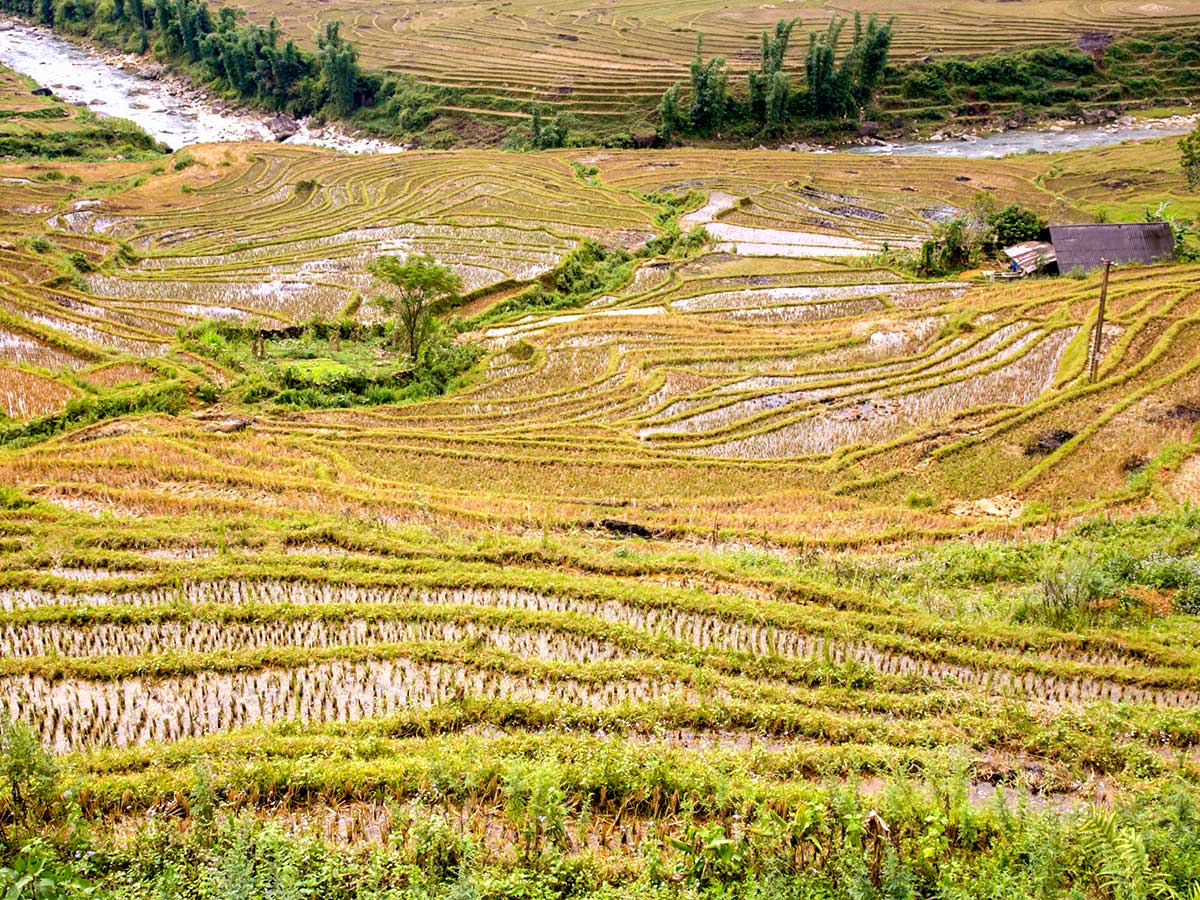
(1099, 335)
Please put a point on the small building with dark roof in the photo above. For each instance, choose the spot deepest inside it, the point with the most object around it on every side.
(1087, 246)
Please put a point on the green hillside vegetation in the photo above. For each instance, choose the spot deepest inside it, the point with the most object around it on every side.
(845, 76)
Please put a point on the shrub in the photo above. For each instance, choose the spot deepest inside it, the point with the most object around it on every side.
(920, 500)
(1014, 225)
(521, 350)
(36, 873)
(12, 499)
(440, 850)
(80, 263)
(28, 778)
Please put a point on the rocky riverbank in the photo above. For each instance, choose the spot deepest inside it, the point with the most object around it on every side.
(161, 101)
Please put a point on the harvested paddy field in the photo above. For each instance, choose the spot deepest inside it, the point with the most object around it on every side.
(764, 525)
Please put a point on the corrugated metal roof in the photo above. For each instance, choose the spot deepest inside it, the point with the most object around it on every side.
(1031, 255)
(1087, 246)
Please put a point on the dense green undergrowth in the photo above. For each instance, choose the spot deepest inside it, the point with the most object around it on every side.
(1160, 68)
(328, 364)
(44, 127)
(1104, 572)
(102, 139)
(591, 269)
(912, 839)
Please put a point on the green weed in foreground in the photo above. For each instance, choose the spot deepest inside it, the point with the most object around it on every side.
(910, 840)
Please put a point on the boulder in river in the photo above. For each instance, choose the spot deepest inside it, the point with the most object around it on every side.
(152, 72)
(282, 127)
(1097, 116)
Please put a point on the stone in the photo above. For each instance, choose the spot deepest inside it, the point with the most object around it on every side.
(229, 426)
(282, 127)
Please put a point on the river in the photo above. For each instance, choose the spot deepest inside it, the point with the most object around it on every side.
(1054, 139)
(178, 114)
(168, 108)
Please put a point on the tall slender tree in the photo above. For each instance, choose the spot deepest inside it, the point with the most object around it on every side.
(338, 62)
(828, 88)
(769, 92)
(867, 59)
(421, 284)
(710, 91)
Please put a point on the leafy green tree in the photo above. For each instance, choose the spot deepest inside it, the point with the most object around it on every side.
(1015, 224)
(1189, 149)
(423, 285)
(710, 91)
(671, 120)
(548, 136)
(338, 63)
(769, 85)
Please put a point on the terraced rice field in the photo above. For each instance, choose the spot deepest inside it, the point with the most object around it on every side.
(782, 358)
(283, 235)
(358, 605)
(146, 643)
(613, 61)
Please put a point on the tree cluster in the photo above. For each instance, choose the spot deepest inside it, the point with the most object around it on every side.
(981, 232)
(253, 61)
(541, 135)
(832, 89)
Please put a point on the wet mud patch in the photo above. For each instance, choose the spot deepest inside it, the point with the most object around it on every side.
(1048, 441)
